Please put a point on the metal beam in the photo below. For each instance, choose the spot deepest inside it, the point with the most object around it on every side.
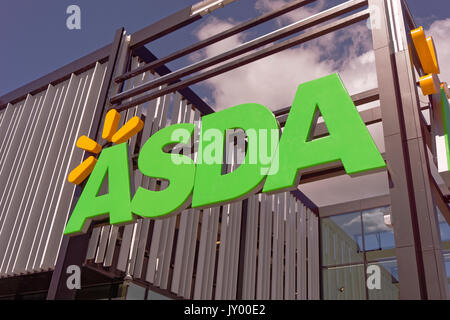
(412, 284)
(305, 37)
(354, 205)
(426, 214)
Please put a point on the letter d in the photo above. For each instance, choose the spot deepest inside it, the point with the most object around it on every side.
(211, 186)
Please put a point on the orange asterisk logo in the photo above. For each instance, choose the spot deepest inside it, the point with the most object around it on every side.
(109, 133)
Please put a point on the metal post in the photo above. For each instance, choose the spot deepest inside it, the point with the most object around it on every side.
(413, 210)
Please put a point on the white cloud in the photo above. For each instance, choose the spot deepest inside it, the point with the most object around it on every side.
(440, 30)
(273, 80)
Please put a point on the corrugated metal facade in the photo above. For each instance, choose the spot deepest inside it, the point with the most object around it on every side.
(194, 254)
(37, 139)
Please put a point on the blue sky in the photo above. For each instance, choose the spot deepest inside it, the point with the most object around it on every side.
(36, 40)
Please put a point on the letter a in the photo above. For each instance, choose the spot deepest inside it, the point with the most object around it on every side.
(117, 202)
(349, 141)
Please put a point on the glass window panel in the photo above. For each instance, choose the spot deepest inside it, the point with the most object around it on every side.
(344, 283)
(382, 282)
(135, 292)
(377, 234)
(341, 239)
(151, 295)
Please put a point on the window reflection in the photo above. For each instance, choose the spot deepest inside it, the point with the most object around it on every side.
(151, 295)
(350, 244)
(341, 239)
(377, 234)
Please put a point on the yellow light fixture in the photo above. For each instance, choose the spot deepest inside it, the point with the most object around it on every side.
(82, 171)
(109, 133)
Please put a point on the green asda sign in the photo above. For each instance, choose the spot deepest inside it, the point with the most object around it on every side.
(200, 183)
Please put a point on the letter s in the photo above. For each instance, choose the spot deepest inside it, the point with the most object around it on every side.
(155, 163)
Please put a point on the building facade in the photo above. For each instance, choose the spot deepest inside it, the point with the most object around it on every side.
(266, 246)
